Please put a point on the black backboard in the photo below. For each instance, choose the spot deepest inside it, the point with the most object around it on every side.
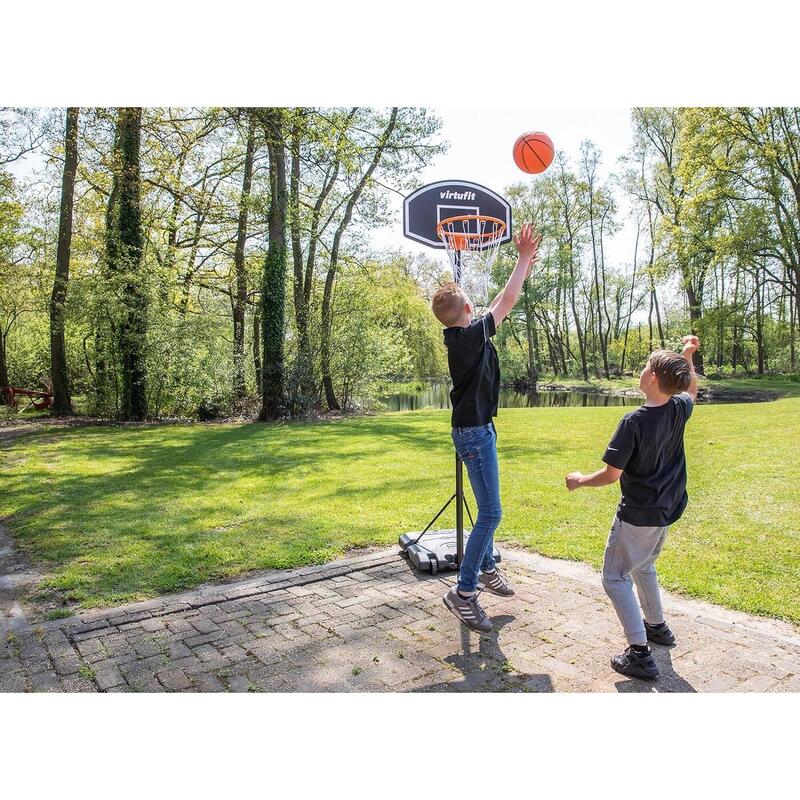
(426, 207)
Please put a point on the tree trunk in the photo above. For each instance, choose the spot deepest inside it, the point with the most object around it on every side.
(3, 367)
(695, 315)
(62, 402)
(257, 347)
(240, 294)
(302, 277)
(273, 289)
(604, 334)
(124, 253)
(533, 344)
(630, 304)
(759, 322)
(578, 331)
(792, 329)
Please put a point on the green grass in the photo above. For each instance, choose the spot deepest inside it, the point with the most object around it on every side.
(116, 514)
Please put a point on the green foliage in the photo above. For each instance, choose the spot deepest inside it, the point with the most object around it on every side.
(383, 330)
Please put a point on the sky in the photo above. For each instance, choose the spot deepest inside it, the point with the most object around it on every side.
(481, 141)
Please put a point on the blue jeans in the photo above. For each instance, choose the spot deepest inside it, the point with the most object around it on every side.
(477, 448)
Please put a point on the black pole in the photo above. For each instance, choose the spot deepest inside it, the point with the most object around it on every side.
(459, 511)
(459, 464)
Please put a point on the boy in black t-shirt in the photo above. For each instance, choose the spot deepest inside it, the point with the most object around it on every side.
(476, 387)
(646, 455)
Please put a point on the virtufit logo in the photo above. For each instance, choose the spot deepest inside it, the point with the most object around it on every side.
(451, 195)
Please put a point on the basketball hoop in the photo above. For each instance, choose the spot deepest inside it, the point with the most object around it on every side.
(472, 242)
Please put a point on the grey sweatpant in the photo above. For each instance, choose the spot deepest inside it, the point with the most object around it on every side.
(630, 557)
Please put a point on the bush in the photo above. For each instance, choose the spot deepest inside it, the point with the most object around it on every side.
(210, 409)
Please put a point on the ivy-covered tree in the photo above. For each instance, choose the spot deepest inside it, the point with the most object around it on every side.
(124, 263)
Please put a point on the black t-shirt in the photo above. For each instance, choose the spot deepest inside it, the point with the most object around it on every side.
(475, 372)
(648, 447)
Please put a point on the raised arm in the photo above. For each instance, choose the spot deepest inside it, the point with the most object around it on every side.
(527, 242)
(690, 344)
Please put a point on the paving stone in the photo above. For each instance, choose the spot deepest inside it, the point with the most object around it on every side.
(204, 625)
(90, 647)
(12, 681)
(77, 683)
(65, 662)
(208, 682)
(108, 677)
(174, 679)
(45, 682)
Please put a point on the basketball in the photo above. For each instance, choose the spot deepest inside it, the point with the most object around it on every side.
(533, 152)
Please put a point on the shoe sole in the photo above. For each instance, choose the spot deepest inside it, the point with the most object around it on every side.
(461, 620)
(664, 642)
(641, 677)
(497, 594)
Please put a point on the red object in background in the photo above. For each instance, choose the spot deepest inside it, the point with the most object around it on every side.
(12, 393)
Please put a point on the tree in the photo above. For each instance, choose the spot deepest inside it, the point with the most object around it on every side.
(62, 401)
(273, 287)
(240, 293)
(124, 260)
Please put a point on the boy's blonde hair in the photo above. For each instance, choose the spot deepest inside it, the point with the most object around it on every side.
(448, 304)
(672, 371)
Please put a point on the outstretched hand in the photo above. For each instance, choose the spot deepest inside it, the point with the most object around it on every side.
(573, 480)
(527, 242)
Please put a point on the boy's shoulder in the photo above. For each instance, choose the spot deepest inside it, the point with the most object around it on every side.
(480, 329)
(682, 403)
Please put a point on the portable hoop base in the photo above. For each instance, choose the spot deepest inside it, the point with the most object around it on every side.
(436, 550)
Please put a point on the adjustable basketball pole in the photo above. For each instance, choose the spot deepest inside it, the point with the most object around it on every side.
(459, 511)
(459, 463)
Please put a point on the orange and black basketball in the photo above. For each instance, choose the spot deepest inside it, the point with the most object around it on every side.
(533, 152)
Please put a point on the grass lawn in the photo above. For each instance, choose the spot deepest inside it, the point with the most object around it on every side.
(116, 514)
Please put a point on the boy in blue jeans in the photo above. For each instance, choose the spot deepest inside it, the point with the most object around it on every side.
(474, 369)
(646, 455)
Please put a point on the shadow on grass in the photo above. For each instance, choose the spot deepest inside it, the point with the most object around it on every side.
(156, 520)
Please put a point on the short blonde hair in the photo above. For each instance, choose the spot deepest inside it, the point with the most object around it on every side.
(448, 304)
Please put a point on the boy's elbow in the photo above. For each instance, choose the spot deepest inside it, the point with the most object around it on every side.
(612, 473)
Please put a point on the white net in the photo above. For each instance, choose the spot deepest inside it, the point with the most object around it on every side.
(472, 243)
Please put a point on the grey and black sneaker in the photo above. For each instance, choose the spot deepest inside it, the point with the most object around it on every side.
(660, 634)
(635, 664)
(496, 583)
(468, 610)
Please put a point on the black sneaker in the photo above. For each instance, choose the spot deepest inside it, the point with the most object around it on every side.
(660, 634)
(635, 664)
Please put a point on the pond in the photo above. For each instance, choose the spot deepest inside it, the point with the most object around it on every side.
(437, 396)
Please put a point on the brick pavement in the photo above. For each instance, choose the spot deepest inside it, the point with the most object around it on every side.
(369, 623)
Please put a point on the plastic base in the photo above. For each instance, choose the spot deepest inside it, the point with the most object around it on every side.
(435, 551)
